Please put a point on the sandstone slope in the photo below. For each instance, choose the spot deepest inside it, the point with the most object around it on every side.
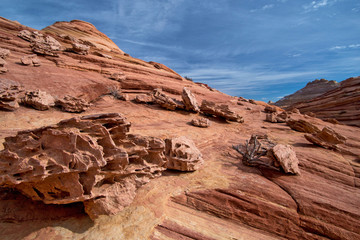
(223, 199)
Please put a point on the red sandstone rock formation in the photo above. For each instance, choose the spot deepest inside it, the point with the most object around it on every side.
(311, 90)
(341, 103)
(224, 199)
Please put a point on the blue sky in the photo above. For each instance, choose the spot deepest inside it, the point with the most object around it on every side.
(259, 49)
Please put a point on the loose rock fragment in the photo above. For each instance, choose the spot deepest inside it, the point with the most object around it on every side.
(189, 100)
(30, 60)
(10, 92)
(201, 122)
(4, 53)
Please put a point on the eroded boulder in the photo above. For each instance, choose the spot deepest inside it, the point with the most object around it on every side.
(327, 138)
(144, 98)
(223, 111)
(30, 60)
(72, 104)
(189, 100)
(45, 45)
(201, 122)
(10, 92)
(89, 159)
(79, 48)
(38, 99)
(4, 53)
(275, 117)
(182, 154)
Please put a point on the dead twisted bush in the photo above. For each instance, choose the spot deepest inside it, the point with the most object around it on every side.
(252, 151)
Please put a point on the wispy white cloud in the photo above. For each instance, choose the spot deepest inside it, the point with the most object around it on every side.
(315, 5)
(342, 47)
(263, 8)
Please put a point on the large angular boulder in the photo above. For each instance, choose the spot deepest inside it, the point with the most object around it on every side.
(72, 104)
(165, 101)
(327, 138)
(38, 99)
(284, 156)
(10, 92)
(223, 111)
(189, 100)
(302, 126)
(182, 154)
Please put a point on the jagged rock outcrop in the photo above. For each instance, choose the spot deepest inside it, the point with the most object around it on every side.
(189, 100)
(201, 122)
(182, 154)
(79, 48)
(341, 103)
(302, 126)
(10, 94)
(4, 53)
(85, 33)
(222, 111)
(311, 90)
(327, 138)
(31, 60)
(40, 100)
(165, 101)
(41, 44)
(72, 104)
(89, 159)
